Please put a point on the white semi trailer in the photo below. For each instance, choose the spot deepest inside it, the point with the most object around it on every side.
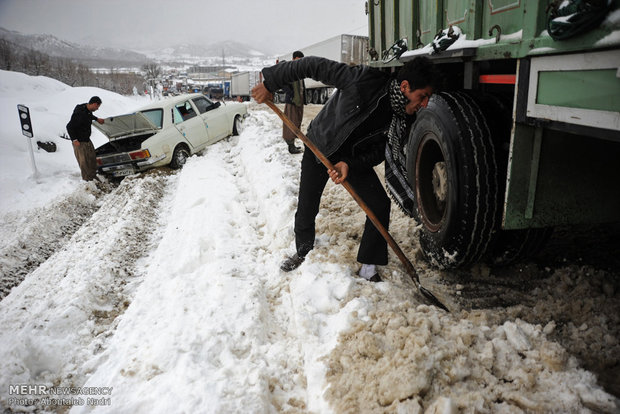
(241, 84)
(345, 48)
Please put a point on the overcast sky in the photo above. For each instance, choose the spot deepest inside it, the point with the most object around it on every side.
(273, 26)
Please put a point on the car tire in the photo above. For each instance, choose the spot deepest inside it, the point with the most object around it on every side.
(452, 168)
(237, 125)
(179, 157)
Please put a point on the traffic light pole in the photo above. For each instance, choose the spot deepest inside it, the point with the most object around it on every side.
(24, 118)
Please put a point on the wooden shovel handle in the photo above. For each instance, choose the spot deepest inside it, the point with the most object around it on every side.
(371, 215)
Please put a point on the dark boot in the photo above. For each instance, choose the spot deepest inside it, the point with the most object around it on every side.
(375, 278)
(292, 148)
(365, 269)
(292, 263)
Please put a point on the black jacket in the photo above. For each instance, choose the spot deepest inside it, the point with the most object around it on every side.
(79, 125)
(360, 88)
(289, 93)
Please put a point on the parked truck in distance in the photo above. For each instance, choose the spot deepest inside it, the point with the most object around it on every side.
(241, 84)
(345, 48)
(525, 135)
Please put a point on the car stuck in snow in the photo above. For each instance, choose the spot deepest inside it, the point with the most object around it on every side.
(165, 133)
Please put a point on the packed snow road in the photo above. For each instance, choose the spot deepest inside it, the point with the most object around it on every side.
(169, 293)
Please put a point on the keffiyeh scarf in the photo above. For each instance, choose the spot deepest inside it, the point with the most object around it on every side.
(395, 174)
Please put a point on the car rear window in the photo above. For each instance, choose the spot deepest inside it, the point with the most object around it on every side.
(155, 116)
(186, 110)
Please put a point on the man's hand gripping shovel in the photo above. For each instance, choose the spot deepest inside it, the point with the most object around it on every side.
(391, 242)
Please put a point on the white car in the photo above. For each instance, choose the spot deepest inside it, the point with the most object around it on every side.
(165, 133)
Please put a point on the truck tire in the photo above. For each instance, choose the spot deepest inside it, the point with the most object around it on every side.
(516, 245)
(509, 246)
(324, 95)
(179, 157)
(452, 168)
(315, 97)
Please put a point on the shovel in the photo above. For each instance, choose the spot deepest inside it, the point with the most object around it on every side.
(373, 218)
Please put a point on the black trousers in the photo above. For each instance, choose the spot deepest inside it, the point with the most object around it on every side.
(373, 247)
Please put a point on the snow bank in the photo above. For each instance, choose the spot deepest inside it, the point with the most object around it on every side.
(51, 104)
(62, 313)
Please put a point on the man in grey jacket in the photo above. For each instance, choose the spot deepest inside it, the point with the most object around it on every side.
(351, 130)
(293, 108)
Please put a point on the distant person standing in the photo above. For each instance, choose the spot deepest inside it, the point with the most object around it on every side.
(79, 129)
(293, 108)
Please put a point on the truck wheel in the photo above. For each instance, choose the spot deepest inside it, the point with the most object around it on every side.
(509, 246)
(237, 125)
(315, 96)
(324, 95)
(452, 168)
(179, 157)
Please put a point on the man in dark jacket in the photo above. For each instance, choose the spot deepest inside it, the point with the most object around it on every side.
(293, 108)
(79, 129)
(351, 130)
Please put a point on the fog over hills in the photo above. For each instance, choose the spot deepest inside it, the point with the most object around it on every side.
(107, 56)
(53, 46)
(226, 48)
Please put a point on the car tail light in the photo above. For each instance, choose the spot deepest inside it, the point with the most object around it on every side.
(99, 161)
(139, 155)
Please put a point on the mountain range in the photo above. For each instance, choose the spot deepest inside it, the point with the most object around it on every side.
(106, 56)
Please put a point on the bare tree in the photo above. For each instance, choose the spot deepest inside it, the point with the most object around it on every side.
(36, 63)
(84, 76)
(152, 71)
(64, 70)
(6, 55)
(31, 62)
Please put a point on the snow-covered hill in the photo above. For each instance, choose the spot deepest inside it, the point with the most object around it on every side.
(190, 53)
(51, 103)
(53, 46)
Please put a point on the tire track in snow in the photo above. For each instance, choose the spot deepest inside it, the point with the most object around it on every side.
(251, 164)
(61, 316)
(232, 344)
(30, 240)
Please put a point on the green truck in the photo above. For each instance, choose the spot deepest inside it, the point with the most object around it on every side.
(525, 134)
